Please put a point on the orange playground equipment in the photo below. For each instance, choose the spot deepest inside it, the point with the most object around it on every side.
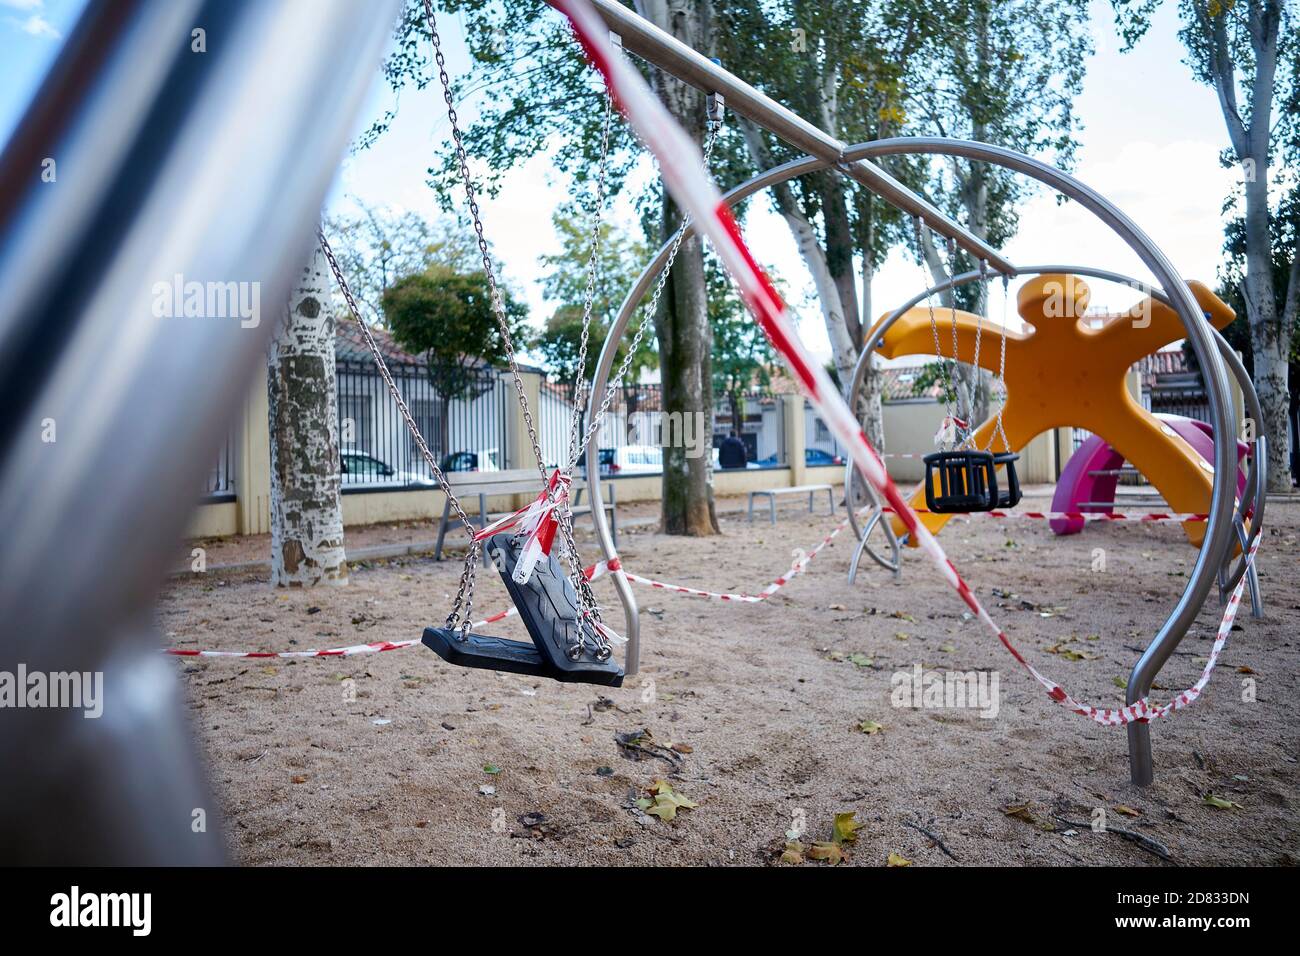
(1069, 369)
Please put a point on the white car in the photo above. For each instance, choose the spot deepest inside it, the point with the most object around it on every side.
(637, 460)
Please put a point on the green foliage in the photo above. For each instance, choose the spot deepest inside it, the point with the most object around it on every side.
(1000, 72)
(376, 247)
(805, 54)
(927, 377)
(1226, 43)
(619, 261)
(447, 317)
(742, 357)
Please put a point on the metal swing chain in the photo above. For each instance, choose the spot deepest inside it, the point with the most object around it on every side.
(945, 382)
(979, 331)
(581, 585)
(589, 298)
(611, 387)
(471, 559)
(588, 607)
(1002, 369)
(498, 309)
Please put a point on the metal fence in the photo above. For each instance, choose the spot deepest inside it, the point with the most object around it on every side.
(465, 431)
(628, 435)
(821, 447)
(762, 428)
(634, 430)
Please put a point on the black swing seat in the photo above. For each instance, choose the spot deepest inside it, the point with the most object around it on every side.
(958, 481)
(961, 481)
(1009, 490)
(548, 606)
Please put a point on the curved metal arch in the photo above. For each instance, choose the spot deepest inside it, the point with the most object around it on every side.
(1219, 528)
(1251, 504)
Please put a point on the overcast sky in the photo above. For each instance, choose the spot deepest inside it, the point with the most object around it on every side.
(1150, 143)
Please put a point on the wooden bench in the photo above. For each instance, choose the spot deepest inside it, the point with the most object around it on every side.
(809, 490)
(517, 481)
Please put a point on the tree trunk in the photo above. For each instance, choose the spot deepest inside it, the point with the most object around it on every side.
(682, 321)
(1270, 331)
(1269, 339)
(870, 410)
(805, 238)
(306, 512)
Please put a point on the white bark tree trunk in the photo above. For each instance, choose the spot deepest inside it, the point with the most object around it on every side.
(682, 323)
(870, 410)
(306, 511)
(1270, 331)
(805, 238)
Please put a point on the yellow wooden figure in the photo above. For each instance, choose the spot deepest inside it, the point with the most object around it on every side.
(1068, 370)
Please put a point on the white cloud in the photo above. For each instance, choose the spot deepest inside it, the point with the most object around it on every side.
(22, 4)
(37, 26)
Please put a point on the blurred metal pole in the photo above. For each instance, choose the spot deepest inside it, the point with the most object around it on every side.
(177, 157)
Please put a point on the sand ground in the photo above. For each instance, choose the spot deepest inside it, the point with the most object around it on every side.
(753, 712)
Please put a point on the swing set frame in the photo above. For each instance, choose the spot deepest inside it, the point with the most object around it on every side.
(1226, 524)
(154, 199)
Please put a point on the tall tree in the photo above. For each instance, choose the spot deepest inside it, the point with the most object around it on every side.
(376, 247)
(999, 71)
(742, 356)
(838, 63)
(1248, 51)
(619, 262)
(306, 512)
(682, 320)
(447, 317)
(539, 98)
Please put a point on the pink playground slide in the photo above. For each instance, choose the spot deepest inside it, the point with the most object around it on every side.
(1088, 482)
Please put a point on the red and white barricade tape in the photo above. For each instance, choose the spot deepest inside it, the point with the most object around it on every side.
(682, 170)
(796, 569)
(1153, 516)
(594, 571)
(1143, 710)
(681, 167)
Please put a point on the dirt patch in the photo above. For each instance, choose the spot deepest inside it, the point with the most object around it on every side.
(754, 712)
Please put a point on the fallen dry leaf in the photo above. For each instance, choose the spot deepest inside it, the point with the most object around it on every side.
(830, 852)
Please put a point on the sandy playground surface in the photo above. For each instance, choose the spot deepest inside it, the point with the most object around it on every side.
(755, 713)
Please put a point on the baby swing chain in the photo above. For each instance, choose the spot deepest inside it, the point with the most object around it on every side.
(421, 445)
(1002, 369)
(946, 383)
(498, 309)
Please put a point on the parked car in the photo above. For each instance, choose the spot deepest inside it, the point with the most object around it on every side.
(358, 468)
(815, 456)
(608, 462)
(636, 460)
(811, 457)
(485, 459)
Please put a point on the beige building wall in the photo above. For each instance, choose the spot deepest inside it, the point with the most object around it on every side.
(909, 430)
